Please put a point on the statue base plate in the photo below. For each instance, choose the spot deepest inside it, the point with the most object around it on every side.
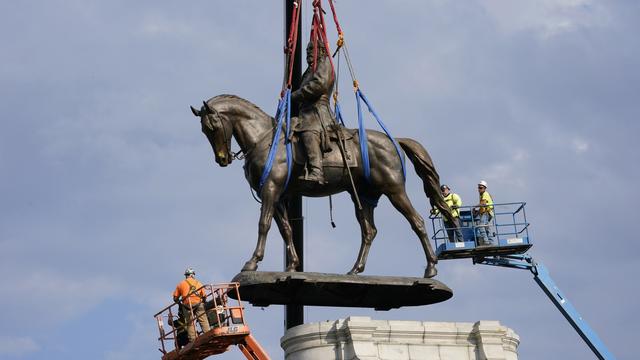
(264, 288)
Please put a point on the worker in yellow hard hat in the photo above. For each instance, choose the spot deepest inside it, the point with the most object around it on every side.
(191, 295)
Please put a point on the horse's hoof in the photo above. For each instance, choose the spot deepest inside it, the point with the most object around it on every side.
(250, 266)
(293, 265)
(430, 272)
(355, 271)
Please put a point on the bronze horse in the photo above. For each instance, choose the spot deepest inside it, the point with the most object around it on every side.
(226, 116)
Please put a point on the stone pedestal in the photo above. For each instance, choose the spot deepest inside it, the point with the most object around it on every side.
(362, 338)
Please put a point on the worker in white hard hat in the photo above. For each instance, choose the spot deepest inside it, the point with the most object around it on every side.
(483, 214)
(455, 202)
(190, 295)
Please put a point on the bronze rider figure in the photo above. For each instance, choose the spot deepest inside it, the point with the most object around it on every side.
(315, 113)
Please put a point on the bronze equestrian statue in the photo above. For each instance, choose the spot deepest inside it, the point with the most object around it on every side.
(226, 116)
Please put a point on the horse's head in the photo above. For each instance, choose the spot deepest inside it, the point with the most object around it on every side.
(218, 130)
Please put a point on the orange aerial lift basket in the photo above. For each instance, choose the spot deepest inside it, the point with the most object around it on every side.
(227, 327)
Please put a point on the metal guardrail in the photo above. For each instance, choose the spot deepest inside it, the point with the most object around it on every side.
(217, 307)
(509, 221)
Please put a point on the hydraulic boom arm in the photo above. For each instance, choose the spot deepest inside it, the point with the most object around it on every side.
(252, 349)
(542, 278)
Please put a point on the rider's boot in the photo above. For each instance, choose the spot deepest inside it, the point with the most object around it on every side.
(311, 142)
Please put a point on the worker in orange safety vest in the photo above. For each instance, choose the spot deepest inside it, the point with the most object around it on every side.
(191, 295)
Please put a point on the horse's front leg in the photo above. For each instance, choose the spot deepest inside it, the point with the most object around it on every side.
(266, 217)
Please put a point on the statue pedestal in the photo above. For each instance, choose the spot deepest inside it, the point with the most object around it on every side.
(363, 338)
(263, 288)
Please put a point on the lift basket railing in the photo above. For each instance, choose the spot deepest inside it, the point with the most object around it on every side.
(508, 223)
(222, 309)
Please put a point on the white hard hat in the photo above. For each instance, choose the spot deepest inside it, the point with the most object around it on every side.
(483, 183)
(189, 271)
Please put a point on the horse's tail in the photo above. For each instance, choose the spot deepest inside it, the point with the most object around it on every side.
(427, 172)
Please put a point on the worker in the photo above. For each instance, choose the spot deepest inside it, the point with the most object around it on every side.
(191, 296)
(455, 202)
(483, 214)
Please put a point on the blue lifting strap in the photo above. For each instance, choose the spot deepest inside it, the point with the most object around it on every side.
(283, 103)
(338, 112)
(364, 148)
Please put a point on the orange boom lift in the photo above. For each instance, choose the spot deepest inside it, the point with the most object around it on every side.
(226, 319)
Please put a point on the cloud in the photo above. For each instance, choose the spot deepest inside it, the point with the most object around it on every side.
(510, 172)
(140, 342)
(161, 24)
(580, 145)
(547, 18)
(17, 345)
(52, 297)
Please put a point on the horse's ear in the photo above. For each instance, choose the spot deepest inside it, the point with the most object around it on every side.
(195, 111)
(209, 109)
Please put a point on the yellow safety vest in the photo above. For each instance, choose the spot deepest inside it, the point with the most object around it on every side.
(485, 199)
(451, 200)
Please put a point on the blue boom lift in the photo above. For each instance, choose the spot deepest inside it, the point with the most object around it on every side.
(509, 232)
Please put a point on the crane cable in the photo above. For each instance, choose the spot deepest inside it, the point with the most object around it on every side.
(283, 113)
(364, 149)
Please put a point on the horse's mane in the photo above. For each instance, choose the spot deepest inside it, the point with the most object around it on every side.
(224, 98)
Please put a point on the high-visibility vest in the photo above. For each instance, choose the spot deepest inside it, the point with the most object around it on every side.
(186, 289)
(451, 200)
(485, 199)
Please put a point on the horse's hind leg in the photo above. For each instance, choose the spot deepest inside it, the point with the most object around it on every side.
(368, 231)
(401, 202)
(282, 220)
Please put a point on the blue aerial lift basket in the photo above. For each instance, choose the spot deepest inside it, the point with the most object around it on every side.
(509, 233)
(509, 230)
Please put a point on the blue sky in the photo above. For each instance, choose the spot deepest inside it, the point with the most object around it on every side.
(109, 190)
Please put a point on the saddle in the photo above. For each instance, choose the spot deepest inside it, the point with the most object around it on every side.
(331, 155)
